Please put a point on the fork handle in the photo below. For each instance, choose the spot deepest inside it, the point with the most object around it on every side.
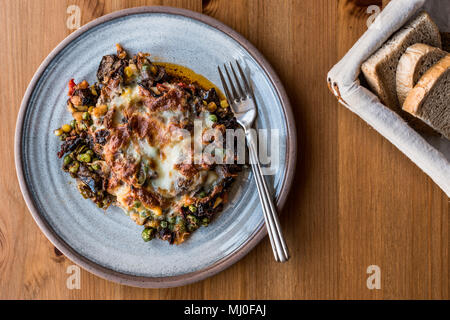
(277, 241)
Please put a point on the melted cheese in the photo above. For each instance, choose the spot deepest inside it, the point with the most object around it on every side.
(169, 157)
(121, 192)
(147, 149)
(164, 157)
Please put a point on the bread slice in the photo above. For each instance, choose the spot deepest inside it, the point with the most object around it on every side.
(430, 98)
(413, 64)
(381, 68)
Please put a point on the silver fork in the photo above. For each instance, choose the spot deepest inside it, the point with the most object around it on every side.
(242, 103)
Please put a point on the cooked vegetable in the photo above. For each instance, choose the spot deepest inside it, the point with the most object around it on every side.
(148, 234)
(224, 104)
(205, 221)
(202, 194)
(116, 146)
(192, 222)
(213, 117)
(212, 106)
(67, 160)
(171, 219)
(84, 157)
(128, 71)
(74, 167)
(66, 128)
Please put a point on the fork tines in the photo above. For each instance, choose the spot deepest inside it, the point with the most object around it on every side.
(243, 91)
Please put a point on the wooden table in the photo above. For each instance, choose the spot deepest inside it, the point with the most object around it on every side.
(356, 200)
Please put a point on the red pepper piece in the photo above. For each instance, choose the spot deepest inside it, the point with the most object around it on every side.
(71, 87)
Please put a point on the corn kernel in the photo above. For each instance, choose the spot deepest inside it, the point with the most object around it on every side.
(100, 110)
(93, 91)
(157, 211)
(212, 107)
(66, 128)
(128, 72)
(58, 132)
(224, 104)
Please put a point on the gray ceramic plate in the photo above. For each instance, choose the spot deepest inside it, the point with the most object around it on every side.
(109, 244)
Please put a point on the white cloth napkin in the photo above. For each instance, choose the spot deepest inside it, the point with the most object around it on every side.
(344, 83)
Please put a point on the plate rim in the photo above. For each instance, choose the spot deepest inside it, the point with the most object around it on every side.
(167, 281)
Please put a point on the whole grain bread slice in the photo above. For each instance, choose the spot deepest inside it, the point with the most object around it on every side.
(381, 68)
(413, 64)
(430, 98)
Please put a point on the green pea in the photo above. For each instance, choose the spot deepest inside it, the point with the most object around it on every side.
(193, 222)
(163, 224)
(67, 160)
(192, 219)
(192, 208)
(202, 194)
(213, 117)
(74, 167)
(85, 116)
(84, 157)
(192, 227)
(205, 221)
(171, 219)
(95, 166)
(148, 234)
(90, 152)
(73, 123)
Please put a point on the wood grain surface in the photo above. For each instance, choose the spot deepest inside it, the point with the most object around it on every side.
(356, 200)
